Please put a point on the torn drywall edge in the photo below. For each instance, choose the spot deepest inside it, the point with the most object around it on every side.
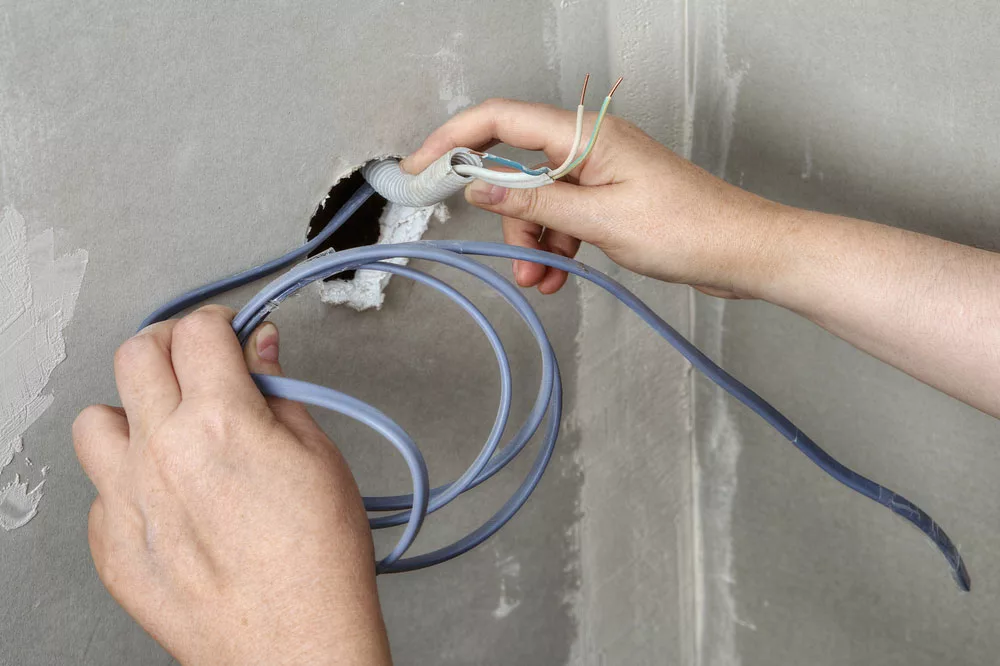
(37, 302)
(344, 176)
(398, 224)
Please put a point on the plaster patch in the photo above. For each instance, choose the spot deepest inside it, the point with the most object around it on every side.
(715, 86)
(728, 81)
(37, 295)
(510, 571)
(715, 485)
(630, 419)
(398, 224)
(452, 85)
(18, 505)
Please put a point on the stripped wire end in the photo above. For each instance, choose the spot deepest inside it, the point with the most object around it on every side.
(615, 87)
(583, 93)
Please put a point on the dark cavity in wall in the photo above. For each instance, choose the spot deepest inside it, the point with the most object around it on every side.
(362, 228)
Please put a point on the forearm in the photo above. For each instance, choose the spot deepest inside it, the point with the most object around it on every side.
(926, 306)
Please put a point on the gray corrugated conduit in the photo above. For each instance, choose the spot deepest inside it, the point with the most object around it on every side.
(431, 186)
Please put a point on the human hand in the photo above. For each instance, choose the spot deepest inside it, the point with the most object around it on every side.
(648, 209)
(227, 525)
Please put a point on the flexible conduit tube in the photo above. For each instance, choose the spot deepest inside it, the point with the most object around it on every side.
(431, 186)
(413, 508)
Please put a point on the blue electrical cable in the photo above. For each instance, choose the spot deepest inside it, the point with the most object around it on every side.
(413, 508)
(515, 165)
(195, 296)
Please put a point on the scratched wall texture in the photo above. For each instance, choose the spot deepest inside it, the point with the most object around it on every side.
(175, 142)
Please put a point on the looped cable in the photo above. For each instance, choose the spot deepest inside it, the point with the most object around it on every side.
(413, 508)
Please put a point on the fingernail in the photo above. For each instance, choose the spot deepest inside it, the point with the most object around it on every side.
(484, 193)
(517, 270)
(267, 342)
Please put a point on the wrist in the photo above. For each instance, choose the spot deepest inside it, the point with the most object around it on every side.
(295, 644)
(746, 253)
(774, 233)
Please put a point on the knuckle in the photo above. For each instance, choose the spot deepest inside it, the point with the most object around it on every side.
(493, 103)
(211, 432)
(220, 421)
(195, 326)
(205, 322)
(218, 311)
(84, 423)
(133, 349)
(175, 459)
(172, 463)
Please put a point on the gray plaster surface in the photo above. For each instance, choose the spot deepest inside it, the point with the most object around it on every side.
(179, 142)
(884, 111)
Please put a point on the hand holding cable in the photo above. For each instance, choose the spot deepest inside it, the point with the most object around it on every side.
(621, 203)
(648, 209)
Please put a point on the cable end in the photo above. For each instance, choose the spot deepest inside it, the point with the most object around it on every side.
(958, 570)
(615, 87)
(583, 93)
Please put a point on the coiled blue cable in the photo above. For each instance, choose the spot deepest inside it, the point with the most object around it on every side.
(413, 508)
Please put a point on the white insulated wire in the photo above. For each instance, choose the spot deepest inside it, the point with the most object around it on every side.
(516, 179)
(513, 179)
(576, 144)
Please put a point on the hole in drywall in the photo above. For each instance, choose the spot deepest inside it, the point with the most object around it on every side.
(362, 228)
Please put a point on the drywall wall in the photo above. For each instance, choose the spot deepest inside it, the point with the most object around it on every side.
(885, 111)
(177, 142)
(165, 145)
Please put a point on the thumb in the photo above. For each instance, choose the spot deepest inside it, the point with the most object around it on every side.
(261, 350)
(561, 206)
(261, 354)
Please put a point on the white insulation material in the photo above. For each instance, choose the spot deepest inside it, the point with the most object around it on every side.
(399, 224)
(37, 295)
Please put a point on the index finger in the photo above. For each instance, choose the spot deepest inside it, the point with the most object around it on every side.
(519, 124)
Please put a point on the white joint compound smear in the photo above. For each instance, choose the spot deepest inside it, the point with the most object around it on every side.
(399, 224)
(715, 485)
(18, 505)
(37, 296)
(510, 571)
(450, 64)
(712, 90)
